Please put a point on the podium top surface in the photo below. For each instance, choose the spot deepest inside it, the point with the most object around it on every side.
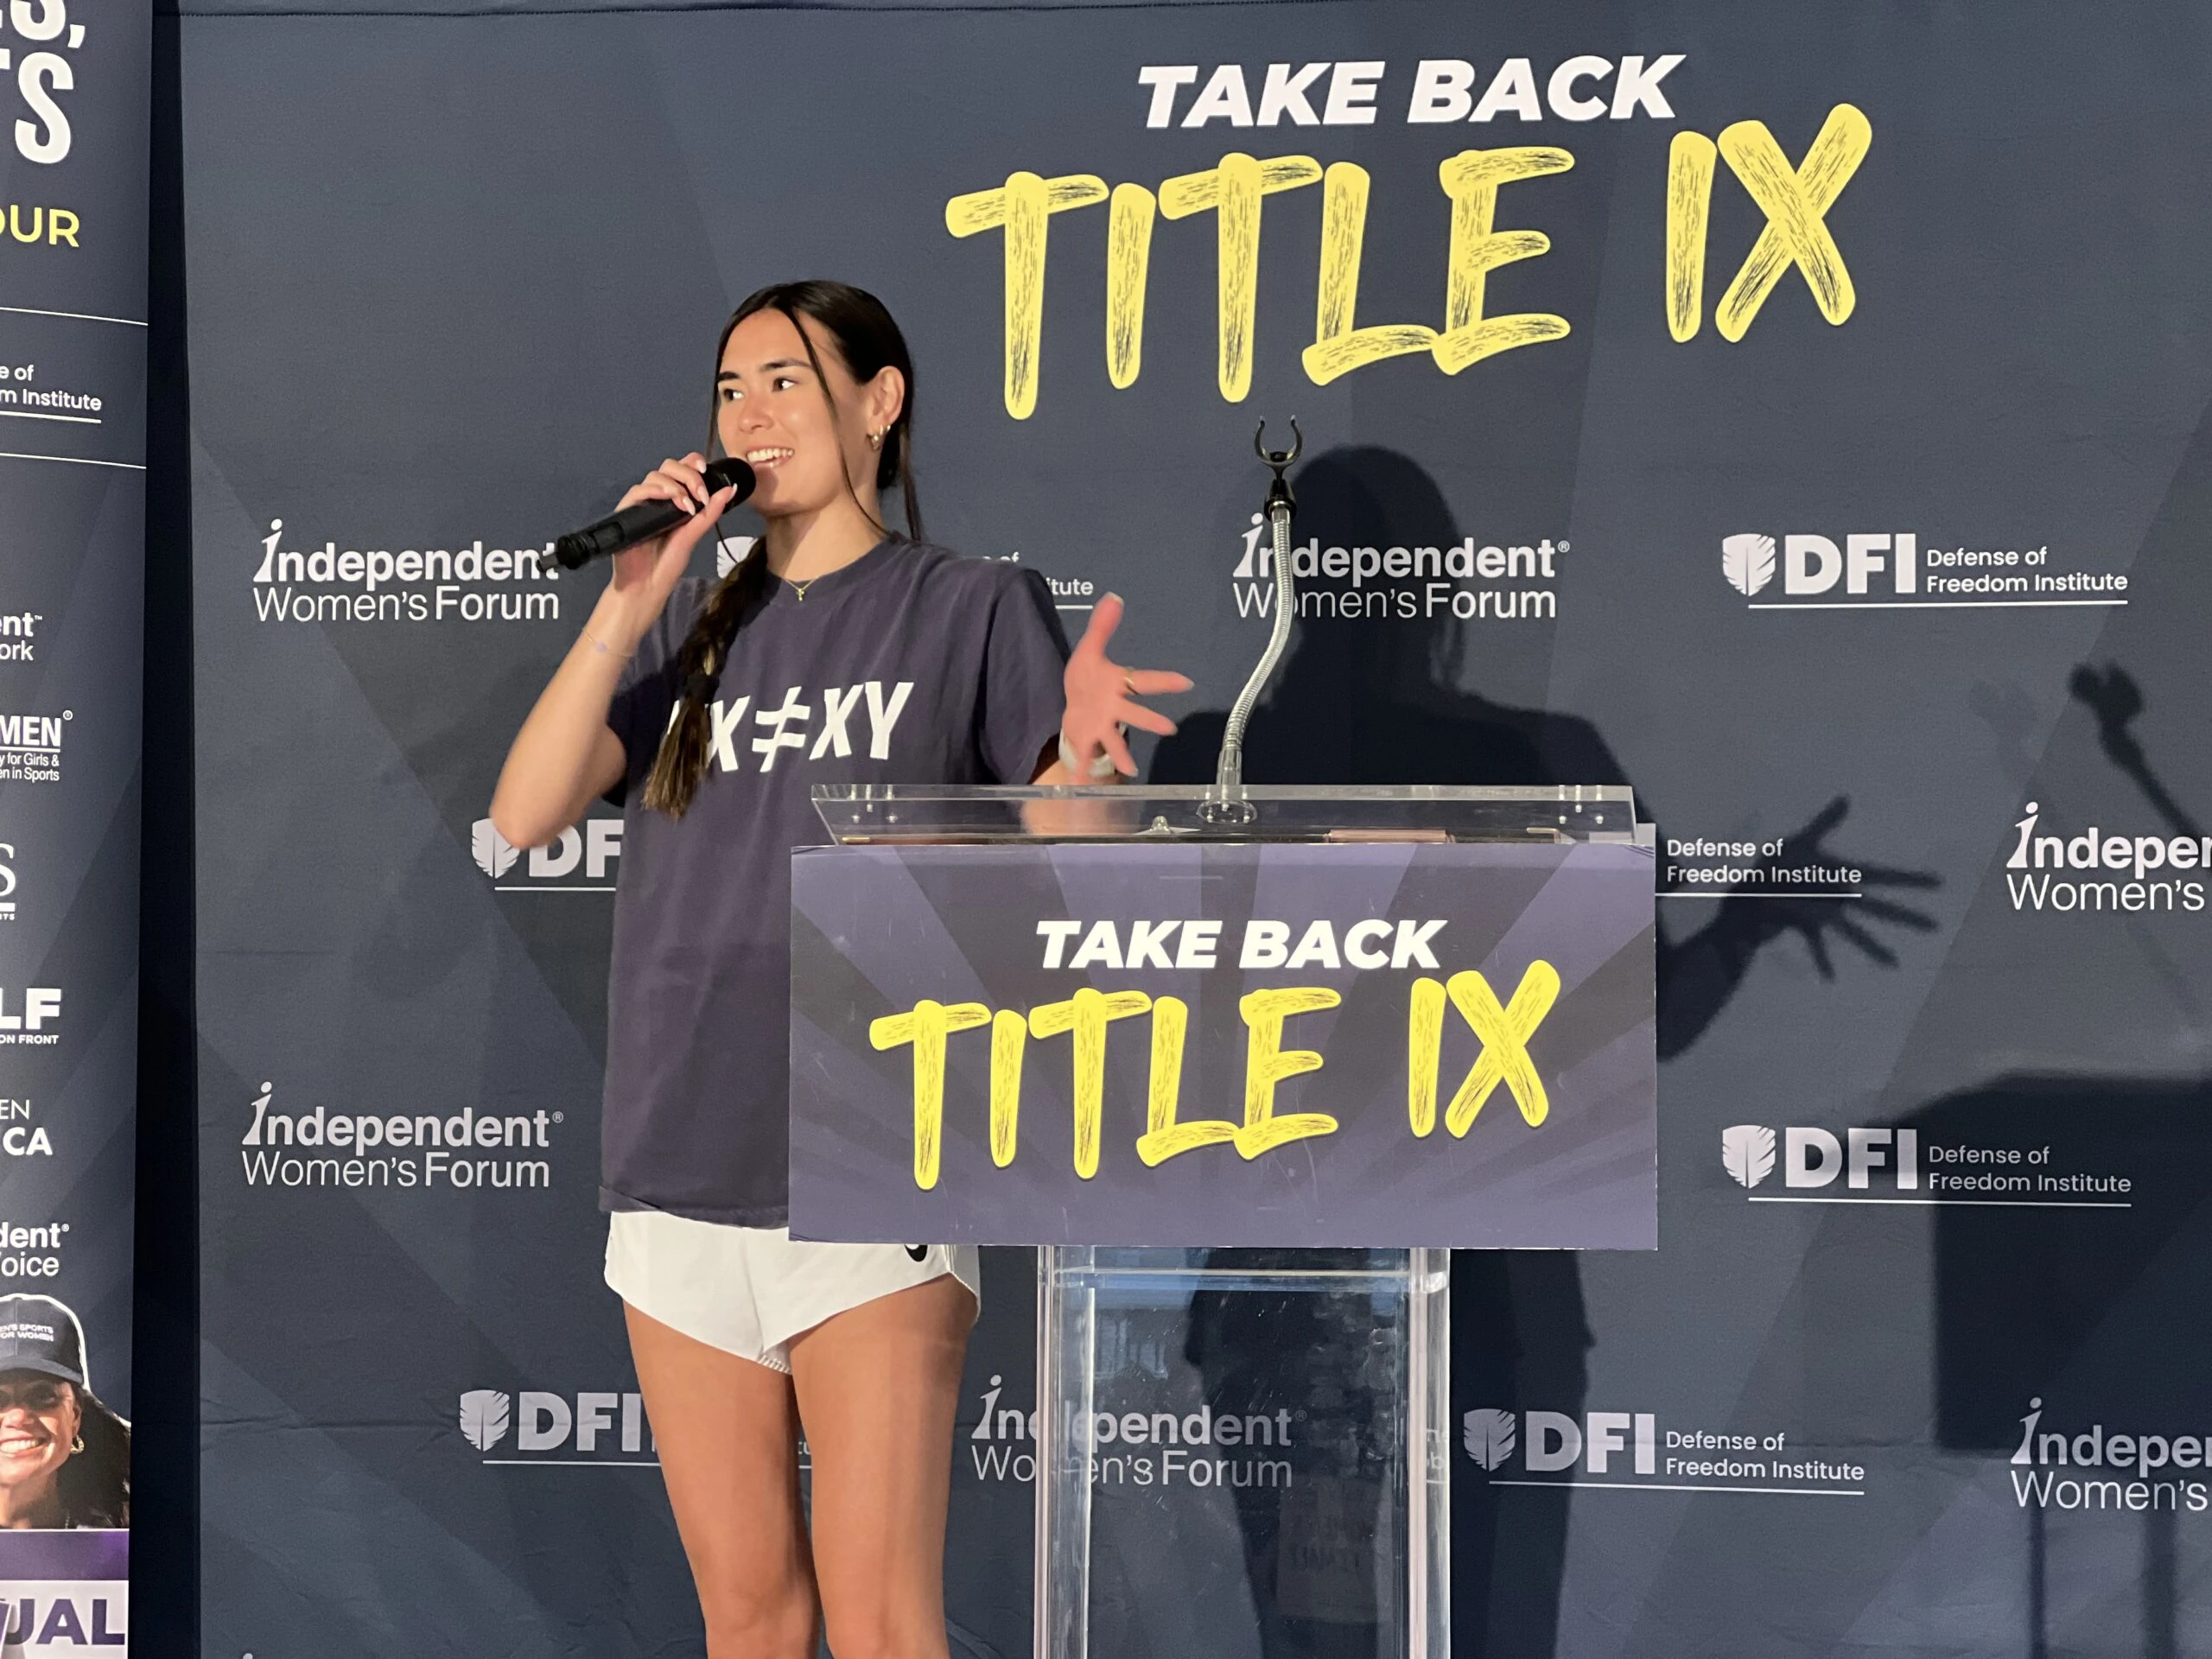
(873, 814)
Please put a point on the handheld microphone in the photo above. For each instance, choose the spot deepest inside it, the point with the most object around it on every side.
(646, 519)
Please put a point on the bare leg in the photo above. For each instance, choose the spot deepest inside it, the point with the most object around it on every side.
(728, 1439)
(877, 1386)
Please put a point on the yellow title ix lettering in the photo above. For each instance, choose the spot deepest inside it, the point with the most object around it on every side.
(1020, 208)
(1266, 1063)
(926, 1028)
(1164, 1137)
(1795, 202)
(1233, 191)
(1085, 1015)
(1504, 1032)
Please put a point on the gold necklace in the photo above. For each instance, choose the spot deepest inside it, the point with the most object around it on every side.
(800, 587)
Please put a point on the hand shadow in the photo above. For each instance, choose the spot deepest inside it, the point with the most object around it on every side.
(2114, 696)
(1778, 901)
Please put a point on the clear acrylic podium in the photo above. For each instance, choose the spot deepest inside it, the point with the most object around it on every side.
(1240, 1453)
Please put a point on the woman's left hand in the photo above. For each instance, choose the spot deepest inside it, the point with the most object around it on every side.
(1102, 699)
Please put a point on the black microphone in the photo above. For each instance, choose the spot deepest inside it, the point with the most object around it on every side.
(646, 519)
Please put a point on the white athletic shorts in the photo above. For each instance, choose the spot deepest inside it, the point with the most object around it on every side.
(749, 1290)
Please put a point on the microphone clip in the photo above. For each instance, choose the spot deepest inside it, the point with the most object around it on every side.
(1279, 461)
(1226, 806)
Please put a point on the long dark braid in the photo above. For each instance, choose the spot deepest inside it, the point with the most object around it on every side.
(869, 342)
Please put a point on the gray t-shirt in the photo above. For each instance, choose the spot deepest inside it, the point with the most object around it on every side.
(910, 665)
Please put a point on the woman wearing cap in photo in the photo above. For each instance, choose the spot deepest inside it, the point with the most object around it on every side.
(837, 651)
(65, 1457)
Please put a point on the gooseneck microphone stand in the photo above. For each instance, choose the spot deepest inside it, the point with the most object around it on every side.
(1227, 804)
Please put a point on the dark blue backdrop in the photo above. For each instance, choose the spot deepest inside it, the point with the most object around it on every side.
(453, 276)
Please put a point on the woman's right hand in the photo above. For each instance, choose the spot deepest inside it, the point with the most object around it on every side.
(646, 573)
(565, 753)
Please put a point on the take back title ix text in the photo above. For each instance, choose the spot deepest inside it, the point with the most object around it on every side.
(1502, 1030)
(1795, 198)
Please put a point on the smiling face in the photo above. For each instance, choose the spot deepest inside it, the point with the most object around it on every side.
(39, 1420)
(770, 411)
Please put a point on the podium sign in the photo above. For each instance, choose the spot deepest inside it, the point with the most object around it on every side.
(1390, 1044)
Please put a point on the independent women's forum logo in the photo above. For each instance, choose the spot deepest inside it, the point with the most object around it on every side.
(464, 581)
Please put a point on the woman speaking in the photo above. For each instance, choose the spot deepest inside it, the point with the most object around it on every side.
(837, 651)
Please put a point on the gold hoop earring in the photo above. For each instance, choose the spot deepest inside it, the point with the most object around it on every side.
(76, 1445)
(875, 440)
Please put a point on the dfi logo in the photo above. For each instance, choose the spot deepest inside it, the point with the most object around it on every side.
(1558, 1441)
(549, 1423)
(1813, 564)
(595, 845)
(485, 1414)
(1813, 1158)
(1490, 1436)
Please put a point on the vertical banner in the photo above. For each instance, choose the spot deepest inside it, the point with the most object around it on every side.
(73, 358)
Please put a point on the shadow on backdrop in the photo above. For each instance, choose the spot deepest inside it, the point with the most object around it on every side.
(1385, 702)
(2077, 1304)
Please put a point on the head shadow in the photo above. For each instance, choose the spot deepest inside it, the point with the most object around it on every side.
(1372, 691)
(1400, 684)
(1391, 685)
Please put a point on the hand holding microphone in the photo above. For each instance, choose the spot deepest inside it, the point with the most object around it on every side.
(671, 492)
(651, 537)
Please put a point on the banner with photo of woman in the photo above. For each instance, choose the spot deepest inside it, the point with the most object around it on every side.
(73, 352)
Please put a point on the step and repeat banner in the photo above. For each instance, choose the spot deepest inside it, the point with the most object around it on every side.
(72, 447)
(1799, 415)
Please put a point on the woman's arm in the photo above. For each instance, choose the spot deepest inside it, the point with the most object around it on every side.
(565, 753)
